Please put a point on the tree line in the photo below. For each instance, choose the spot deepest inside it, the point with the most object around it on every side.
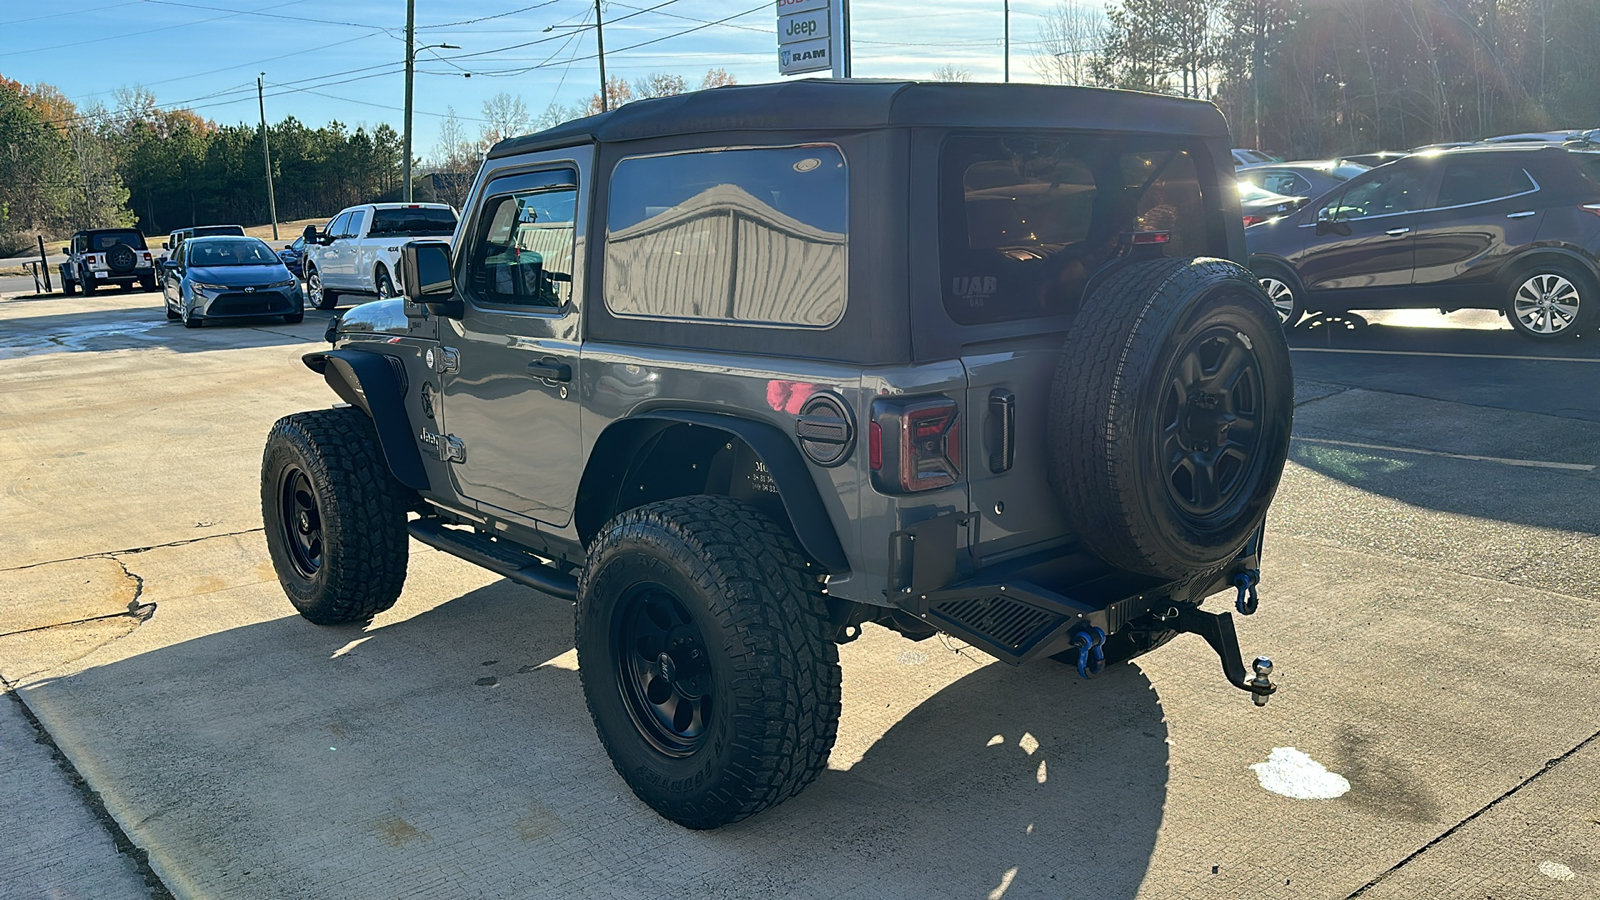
(134, 163)
(1317, 78)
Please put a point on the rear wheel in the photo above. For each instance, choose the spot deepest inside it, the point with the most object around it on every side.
(335, 517)
(1284, 300)
(147, 282)
(383, 284)
(1170, 416)
(706, 658)
(89, 284)
(1550, 301)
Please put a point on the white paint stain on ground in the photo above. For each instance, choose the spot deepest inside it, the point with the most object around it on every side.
(1291, 773)
(1555, 870)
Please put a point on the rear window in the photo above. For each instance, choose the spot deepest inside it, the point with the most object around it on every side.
(1478, 180)
(1026, 219)
(1347, 171)
(204, 230)
(419, 222)
(101, 242)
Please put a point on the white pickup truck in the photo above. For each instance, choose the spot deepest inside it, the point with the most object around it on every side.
(358, 251)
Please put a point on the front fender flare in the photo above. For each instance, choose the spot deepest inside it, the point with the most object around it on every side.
(369, 382)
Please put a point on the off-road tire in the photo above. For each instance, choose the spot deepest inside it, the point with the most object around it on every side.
(147, 283)
(361, 512)
(1131, 433)
(68, 288)
(89, 285)
(772, 665)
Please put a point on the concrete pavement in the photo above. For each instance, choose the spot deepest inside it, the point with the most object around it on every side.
(1430, 604)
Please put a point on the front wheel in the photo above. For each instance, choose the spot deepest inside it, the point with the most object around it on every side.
(294, 318)
(89, 284)
(335, 517)
(1550, 301)
(706, 659)
(320, 297)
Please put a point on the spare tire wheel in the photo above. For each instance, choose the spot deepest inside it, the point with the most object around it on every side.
(121, 258)
(1170, 416)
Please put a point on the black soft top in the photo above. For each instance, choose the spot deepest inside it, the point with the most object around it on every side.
(849, 104)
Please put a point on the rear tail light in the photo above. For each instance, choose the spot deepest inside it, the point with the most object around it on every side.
(915, 445)
(1592, 208)
(1251, 220)
(1151, 237)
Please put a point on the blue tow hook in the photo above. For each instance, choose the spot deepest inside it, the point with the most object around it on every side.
(1245, 582)
(1091, 651)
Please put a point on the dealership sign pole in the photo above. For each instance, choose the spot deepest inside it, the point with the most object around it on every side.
(814, 35)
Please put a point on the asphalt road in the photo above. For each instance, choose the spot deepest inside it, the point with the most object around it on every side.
(1429, 595)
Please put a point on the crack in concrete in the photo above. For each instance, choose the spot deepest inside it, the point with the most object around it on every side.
(129, 551)
(137, 610)
(91, 798)
(1548, 765)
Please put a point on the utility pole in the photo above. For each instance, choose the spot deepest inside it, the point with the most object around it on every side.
(1008, 41)
(411, 59)
(600, 44)
(266, 153)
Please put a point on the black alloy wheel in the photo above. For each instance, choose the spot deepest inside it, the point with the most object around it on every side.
(1210, 418)
(300, 521)
(663, 670)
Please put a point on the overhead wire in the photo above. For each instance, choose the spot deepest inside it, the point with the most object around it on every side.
(129, 34)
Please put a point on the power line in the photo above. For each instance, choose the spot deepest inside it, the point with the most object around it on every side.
(76, 12)
(487, 18)
(262, 12)
(118, 37)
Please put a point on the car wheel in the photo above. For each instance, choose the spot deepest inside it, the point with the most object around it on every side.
(706, 659)
(89, 284)
(320, 297)
(294, 318)
(147, 282)
(1550, 301)
(335, 517)
(190, 320)
(1170, 414)
(171, 313)
(383, 284)
(68, 288)
(1284, 300)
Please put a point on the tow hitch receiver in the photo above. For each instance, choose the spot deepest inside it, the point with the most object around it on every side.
(1217, 629)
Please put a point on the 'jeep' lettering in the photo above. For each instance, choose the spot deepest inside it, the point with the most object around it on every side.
(797, 26)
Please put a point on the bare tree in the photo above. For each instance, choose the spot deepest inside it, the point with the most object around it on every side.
(454, 161)
(1070, 36)
(618, 92)
(504, 116)
(659, 84)
(715, 78)
(948, 72)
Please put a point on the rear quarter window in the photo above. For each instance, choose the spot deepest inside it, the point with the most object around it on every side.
(1025, 220)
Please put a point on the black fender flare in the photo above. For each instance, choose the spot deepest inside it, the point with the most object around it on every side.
(808, 517)
(369, 381)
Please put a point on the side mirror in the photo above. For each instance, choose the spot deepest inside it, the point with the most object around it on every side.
(425, 274)
(164, 246)
(310, 234)
(67, 250)
(1328, 223)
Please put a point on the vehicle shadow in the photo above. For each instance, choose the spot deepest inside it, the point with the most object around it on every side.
(453, 748)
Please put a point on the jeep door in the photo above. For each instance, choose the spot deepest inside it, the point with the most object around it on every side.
(513, 402)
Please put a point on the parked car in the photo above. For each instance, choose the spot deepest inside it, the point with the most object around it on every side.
(293, 256)
(1376, 158)
(961, 358)
(1258, 205)
(100, 256)
(1536, 137)
(358, 252)
(1506, 227)
(1301, 179)
(176, 238)
(1243, 156)
(227, 277)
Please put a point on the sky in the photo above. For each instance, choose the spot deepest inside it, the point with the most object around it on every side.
(344, 59)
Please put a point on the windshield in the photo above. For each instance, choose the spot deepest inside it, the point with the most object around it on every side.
(212, 252)
(420, 221)
(104, 241)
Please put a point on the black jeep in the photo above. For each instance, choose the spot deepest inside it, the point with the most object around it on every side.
(743, 370)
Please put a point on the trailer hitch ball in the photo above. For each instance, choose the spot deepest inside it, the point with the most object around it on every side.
(1263, 680)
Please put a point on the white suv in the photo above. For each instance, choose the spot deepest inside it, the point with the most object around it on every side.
(358, 251)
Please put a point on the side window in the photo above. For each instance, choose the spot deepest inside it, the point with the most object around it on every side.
(1026, 219)
(336, 228)
(1384, 193)
(1284, 183)
(352, 228)
(1475, 181)
(522, 255)
(754, 236)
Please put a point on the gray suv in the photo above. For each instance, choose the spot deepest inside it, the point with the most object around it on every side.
(742, 371)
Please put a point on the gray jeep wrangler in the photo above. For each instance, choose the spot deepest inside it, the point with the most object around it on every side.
(743, 370)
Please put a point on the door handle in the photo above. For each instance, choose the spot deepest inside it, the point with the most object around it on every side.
(550, 369)
(1396, 232)
(1521, 215)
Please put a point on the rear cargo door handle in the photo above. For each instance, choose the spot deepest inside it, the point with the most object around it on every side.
(1396, 232)
(550, 369)
(1521, 215)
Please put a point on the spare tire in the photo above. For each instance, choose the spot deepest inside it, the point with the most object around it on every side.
(121, 258)
(1170, 415)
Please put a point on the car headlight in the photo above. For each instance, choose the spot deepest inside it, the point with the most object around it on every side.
(278, 284)
(202, 286)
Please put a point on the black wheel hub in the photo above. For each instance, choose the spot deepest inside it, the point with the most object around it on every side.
(663, 670)
(1210, 416)
(300, 522)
